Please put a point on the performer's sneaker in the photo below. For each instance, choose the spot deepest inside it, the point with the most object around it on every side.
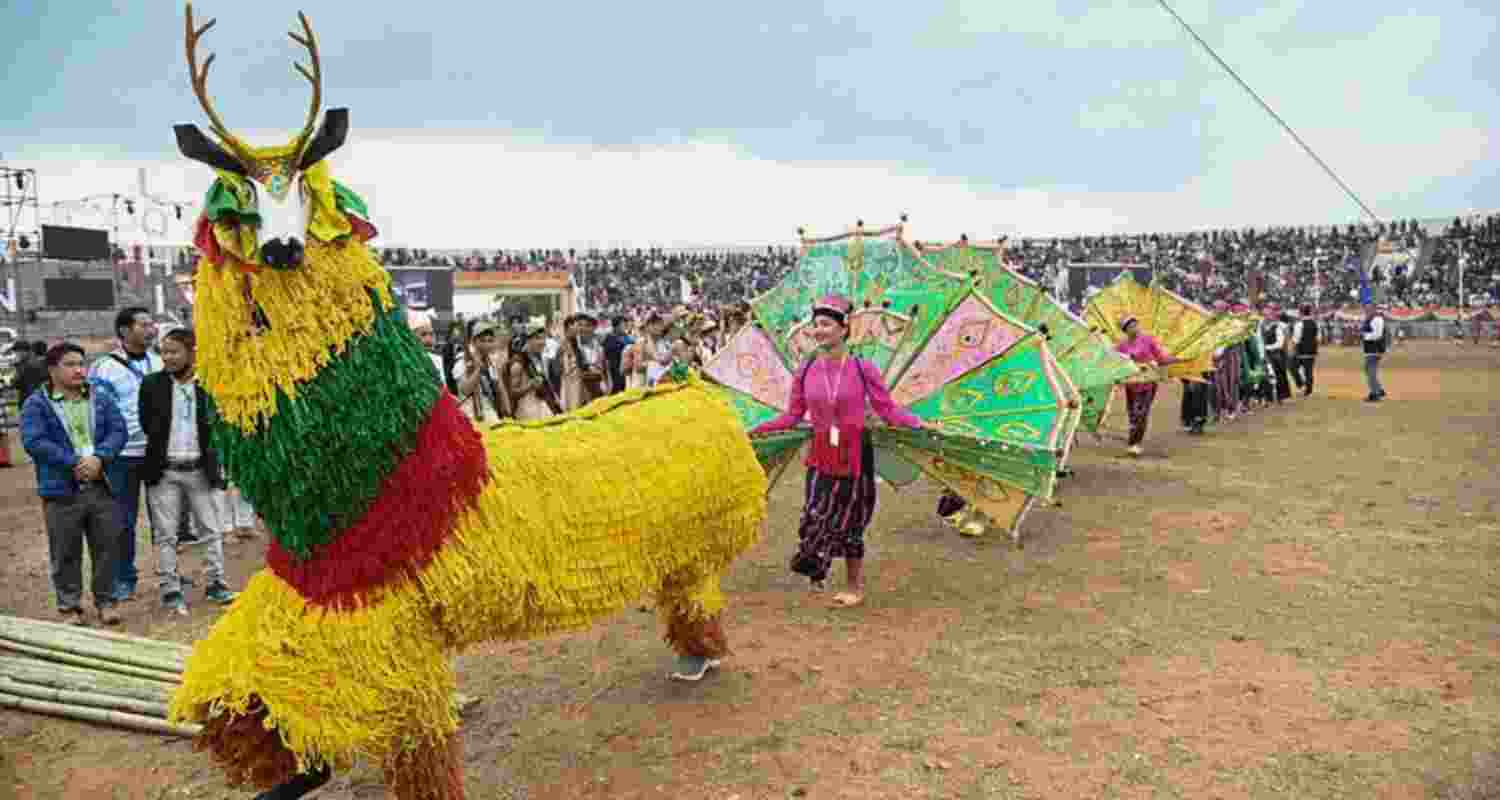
(693, 668)
(1134, 450)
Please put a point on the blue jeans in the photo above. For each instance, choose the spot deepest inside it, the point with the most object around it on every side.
(1372, 374)
(125, 482)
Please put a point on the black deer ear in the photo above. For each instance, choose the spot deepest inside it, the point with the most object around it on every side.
(198, 147)
(329, 138)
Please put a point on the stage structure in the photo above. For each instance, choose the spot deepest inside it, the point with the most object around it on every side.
(515, 294)
(423, 288)
(1096, 275)
(20, 242)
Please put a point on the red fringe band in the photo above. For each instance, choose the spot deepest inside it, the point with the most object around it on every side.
(406, 524)
(203, 239)
(363, 231)
(697, 636)
(250, 753)
(430, 771)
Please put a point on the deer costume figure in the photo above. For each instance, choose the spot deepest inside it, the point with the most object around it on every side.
(401, 533)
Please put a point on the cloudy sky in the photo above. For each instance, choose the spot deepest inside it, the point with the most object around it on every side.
(677, 123)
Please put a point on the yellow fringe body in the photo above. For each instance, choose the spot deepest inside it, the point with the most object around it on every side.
(652, 491)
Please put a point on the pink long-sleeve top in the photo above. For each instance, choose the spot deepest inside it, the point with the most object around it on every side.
(1143, 349)
(833, 395)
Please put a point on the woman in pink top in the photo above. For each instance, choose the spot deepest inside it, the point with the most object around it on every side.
(833, 389)
(1142, 348)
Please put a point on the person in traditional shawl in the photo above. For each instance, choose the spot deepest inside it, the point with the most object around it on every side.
(526, 378)
(578, 369)
(834, 389)
(1255, 377)
(650, 356)
(1226, 376)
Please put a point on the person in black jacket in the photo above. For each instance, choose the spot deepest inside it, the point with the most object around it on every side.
(1274, 332)
(31, 368)
(1374, 340)
(614, 351)
(181, 468)
(1305, 348)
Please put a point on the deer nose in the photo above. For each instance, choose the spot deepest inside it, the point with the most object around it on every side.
(282, 253)
(282, 229)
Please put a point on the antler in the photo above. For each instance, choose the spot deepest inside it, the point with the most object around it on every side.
(200, 77)
(315, 77)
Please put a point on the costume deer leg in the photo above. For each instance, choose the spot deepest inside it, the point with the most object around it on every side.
(432, 770)
(694, 632)
(298, 785)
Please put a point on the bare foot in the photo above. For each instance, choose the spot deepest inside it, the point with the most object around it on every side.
(847, 600)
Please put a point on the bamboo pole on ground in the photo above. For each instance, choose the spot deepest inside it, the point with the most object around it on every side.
(94, 699)
(79, 679)
(174, 649)
(75, 644)
(135, 722)
(164, 676)
(88, 649)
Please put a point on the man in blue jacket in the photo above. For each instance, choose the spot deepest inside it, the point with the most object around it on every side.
(73, 432)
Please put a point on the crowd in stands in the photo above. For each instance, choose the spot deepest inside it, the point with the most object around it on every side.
(1289, 266)
(1285, 264)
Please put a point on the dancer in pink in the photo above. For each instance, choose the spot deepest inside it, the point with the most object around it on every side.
(1142, 348)
(834, 389)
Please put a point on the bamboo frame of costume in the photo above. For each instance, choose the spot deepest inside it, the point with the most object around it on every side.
(401, 533)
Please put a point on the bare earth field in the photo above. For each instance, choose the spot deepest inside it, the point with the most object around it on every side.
(1304, 603)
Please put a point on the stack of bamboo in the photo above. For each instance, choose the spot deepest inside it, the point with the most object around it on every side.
(89, 674)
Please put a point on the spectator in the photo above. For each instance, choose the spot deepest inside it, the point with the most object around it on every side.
(180, 469)
(31, 368)
(478, 378)
(421, 325)
(122, 372)
(614, 351)
(73, 431)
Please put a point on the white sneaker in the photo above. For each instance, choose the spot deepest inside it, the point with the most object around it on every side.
(1134, 450)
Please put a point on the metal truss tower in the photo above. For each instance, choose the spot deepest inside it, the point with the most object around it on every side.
(20, 239)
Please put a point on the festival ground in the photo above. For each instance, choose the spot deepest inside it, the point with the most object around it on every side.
(1303, 603)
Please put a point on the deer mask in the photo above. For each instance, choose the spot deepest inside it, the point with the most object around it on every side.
(281, 204)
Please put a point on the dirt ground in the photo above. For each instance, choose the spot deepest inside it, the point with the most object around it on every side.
(1303, 603)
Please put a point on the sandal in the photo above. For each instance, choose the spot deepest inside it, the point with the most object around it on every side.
(847, 600)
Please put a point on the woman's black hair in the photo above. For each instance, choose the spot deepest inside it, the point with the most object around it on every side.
(833, 314)
(56, 352)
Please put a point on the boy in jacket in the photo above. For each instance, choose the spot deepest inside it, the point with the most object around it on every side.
(73, 432)
(181, 469)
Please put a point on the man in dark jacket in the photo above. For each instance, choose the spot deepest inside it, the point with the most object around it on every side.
(1374, 340)
(614, 351)
(180, 469)
(1305, 348)
(72, 431)
(31, 368)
